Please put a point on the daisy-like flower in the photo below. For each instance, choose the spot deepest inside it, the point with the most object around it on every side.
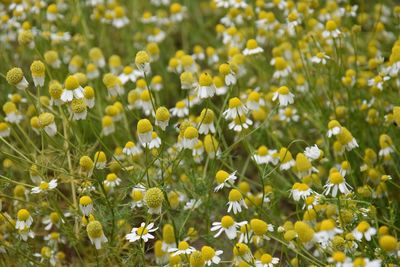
(378, 81)
(312, 152)
(235, 108)
(131, 149)
(153, 199)
(38, 73)
(142, 61)
(224, 179)
(326, 233)
(331, 30)
(266, 156)
(113, 84)
(24, 219)
(282, 68)
(286, 159)
(180, 110)
(86, 205)
(254, 101)
(210, 255)
(129, 74)
(364, 229)
(206, 87)
(260, 228)
(145, 131)
(300, 191)
(192, 204)
(336, 182)
(320, 58)
(155, 141)
(303, 166)
(44, 186)
(242, 253)
(187, 81)
(120, 19)
(190, 137)
(236, 201)
(386, 144)
(96, 235)
(240, 123)
(72, 89)
(267, 260)
(13, 115)
(252, 48)
(206, 121)
(334, 128)
(137, 196)
(53, 219)
(347, 139)
(5, 129)
(162, 117)
(16, 77)
(183, 249)
(365, 262)
(112, 180)
(284, 96)
(142, 232)
(229, 75)
(227, 225)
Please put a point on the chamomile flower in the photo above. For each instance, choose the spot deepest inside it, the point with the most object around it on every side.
(128, 74)
(113, 84)
(224, 179)
(142, 61)
(52, 59)
(183, 249)
(331, 30)
(112, 180)
(228, 226)
(54, 219)
(78, 109)
(46, 121)
(38, 73)
(312, 152)
(347, 139)
(364, 230)
(210, 255)
(334, 128)
(300, 191)
(303, 166)
(155, 141)
(227, 72)
(265, 156)
(378, 81)
(95, 233)
(154, 198)
(282, 68)
(131, 149)
(86, 205)
(24, 219)
(252, 48)
(242, 253)
(16, 77)
(44, 186)
(13, 115)
(336, 183)
(386, 144)
(236, 201)
(284, 96)
(327, 232)
(180, 110)
(206, 88)
(320, 58)
(286, 159)
(235, 108)
(162, 117)
(142, 232)
(144, 130)
(206, 121)
(267, 260)
(72, 89)
(239, 123)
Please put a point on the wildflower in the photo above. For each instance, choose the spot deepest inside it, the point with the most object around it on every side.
(142, 61)
(78, 109)
(131, 149)
(187, 81)
(386, 144)
(44, 186)
(267, 260)
(120, 19)
(38, 72)
(72, 89)
(112, 180)
(144, 130)
(52, 219)
(334, 128)
(88, 93)
(304, 232)
(137, 196)
(113, 84)
(162, 117)
(183, 248)
(388, 243)
(180, 110)
(320, 58)
(227, 225)
(239, 123)
(260, 229)
(300, 191)
(336, 182)
(86, 205)
(284, 96)
(236, 201)
(364, 229)
(12, 113)
(235, 109)
(154, 198)
(211, 146)
(327, 231)
(282, 67)
(224, 179)
(286, 159)
(211, 256)
(254, 101)
(155, 141)
(378, 81)
(331, 30)
(5, 129)
(312, 152)
(206, 88)
(96, 235)
(265, 156)
(52, 59)
(252, 48)
(229, 75)
(142, 232)
(303, 166)
(338, 258)
(346, 139)
(242, 253)
(24, 219)
(15, 77)
(206, 123)
(97, 57)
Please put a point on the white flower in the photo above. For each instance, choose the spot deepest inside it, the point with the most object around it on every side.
(336, 182)
(284, 96)
(224, 179)
(192, 204)
(44, 186)
(364, 229)
(312, 152)
(183, 248)
(142, 232)
(320, 58)
(227, 225)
